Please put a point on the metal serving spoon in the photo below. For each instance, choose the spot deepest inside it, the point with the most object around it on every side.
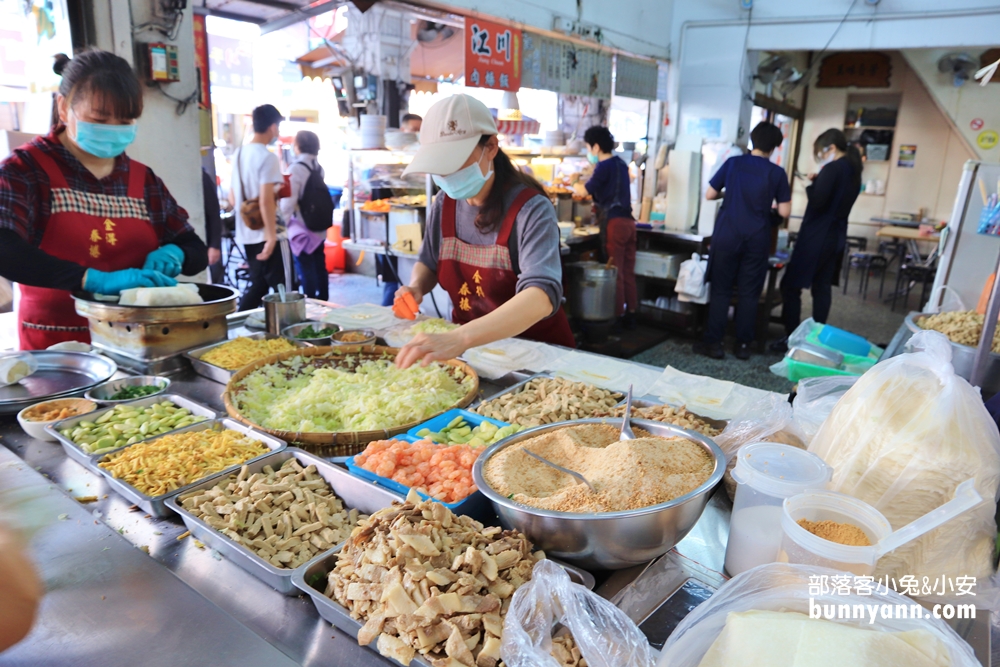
(627, 433)
(574, 475)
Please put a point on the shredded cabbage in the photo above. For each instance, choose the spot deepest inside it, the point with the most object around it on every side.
(433, 325)
(375, 395)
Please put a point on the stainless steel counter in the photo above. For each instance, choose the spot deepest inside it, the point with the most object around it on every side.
(109, 604)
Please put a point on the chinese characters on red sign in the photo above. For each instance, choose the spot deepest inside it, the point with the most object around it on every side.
(492, 55)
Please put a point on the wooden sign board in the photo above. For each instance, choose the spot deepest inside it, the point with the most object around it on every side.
(862, 69)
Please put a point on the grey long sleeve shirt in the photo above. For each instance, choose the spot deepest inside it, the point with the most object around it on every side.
(535, 236)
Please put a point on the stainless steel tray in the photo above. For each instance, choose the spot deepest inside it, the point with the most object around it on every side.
(337, 615)
(514, 388)
(720, 424)
(89, 460)
(59, 375)
(157, 505)
(356, 493)
(217, 373)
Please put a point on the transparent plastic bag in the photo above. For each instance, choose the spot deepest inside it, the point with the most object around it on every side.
(950, 301)
(785, 587)
(902, 439)
(815, 400)
(16, 367)
(768, 419)
(605, 636)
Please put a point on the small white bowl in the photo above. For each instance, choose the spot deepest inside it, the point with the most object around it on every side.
(36, 429)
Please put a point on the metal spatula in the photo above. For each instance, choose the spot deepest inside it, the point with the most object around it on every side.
(569, 472)
(627, 433)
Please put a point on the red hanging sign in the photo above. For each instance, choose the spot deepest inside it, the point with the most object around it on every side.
(201, 61)
(492, 55)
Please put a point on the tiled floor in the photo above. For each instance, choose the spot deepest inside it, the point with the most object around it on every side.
(871, 318)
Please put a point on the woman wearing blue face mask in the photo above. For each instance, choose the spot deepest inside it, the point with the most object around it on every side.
(491, 242)
(609, 186)
(823, 234)
(77, 213)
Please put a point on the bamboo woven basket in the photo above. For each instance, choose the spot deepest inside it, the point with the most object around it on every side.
(344, 443)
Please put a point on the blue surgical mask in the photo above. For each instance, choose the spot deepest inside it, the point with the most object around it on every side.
(464, 183)
(592, 158)
(104, 141)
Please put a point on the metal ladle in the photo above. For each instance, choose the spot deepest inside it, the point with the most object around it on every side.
(626, 433)
(575, 475)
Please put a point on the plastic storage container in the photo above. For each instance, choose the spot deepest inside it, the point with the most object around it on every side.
(844, 341)
(766, 473)
(798, 545)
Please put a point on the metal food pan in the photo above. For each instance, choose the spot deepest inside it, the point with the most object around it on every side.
(339, 617)
(89, 460)
(217, 373)
(720, 424)
(355, 493)
(157, 505)
(515, 388)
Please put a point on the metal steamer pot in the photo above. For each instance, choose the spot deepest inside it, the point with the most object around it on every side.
(152, 333)
(611, 540)
(963, 356)
(590, 291)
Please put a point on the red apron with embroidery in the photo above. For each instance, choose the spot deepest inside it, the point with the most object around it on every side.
(99, 231)
(480, 278)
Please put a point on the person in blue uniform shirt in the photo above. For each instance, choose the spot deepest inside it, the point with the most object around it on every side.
(823, 235)
(749, 185)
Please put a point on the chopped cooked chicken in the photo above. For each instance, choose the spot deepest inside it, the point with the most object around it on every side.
(426, 581)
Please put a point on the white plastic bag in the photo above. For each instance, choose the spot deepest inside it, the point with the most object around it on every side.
(692, 280)
(16, 367)
(815, 400)
(950, 301)
(605, 636)
(768, 419)
(785, 587)
(902, 439)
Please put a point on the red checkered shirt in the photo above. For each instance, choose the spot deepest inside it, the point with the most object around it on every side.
(24, 191)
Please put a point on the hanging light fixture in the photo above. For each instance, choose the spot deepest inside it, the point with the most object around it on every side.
(510, 108)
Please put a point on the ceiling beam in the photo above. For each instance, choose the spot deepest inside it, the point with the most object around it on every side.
(205, 11)
(300, 15)
(275, 4)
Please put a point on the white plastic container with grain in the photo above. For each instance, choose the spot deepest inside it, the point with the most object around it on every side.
(766, 473)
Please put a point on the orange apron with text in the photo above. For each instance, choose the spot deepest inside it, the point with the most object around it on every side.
(99, 231)
(481, 278)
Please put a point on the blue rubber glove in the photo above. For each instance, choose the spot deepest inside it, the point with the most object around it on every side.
(113, 282)
(166, 259)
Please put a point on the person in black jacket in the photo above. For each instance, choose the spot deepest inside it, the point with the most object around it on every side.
(823, 234)
(213, 226)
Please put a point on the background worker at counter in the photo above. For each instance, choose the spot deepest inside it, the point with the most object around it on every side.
(492, 240)
(609, 186)
(741, 242)
(77, 213)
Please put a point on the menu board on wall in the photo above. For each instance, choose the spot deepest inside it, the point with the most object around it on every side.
(552, 64)
(636, 78)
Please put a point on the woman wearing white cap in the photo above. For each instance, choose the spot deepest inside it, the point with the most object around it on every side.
(492, 239)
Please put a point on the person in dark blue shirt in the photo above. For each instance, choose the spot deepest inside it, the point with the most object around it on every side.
(609, 186)
(741, 242)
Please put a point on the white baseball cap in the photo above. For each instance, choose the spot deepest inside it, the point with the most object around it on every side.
(450, 130)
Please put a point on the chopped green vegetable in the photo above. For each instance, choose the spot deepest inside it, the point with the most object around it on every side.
(126, 424)
(130, 392)
(309, 332)
(458, 431)
(316, 580)
(433, 325)
(295, 396)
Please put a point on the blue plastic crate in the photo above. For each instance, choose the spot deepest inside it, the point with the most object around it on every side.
(475, 505)
(435, 425)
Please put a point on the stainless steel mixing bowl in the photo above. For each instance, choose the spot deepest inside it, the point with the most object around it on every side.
(611, 540)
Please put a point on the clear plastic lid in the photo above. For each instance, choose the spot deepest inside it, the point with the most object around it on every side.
(780, 470)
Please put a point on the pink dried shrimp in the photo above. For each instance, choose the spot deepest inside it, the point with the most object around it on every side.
(442, 472)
